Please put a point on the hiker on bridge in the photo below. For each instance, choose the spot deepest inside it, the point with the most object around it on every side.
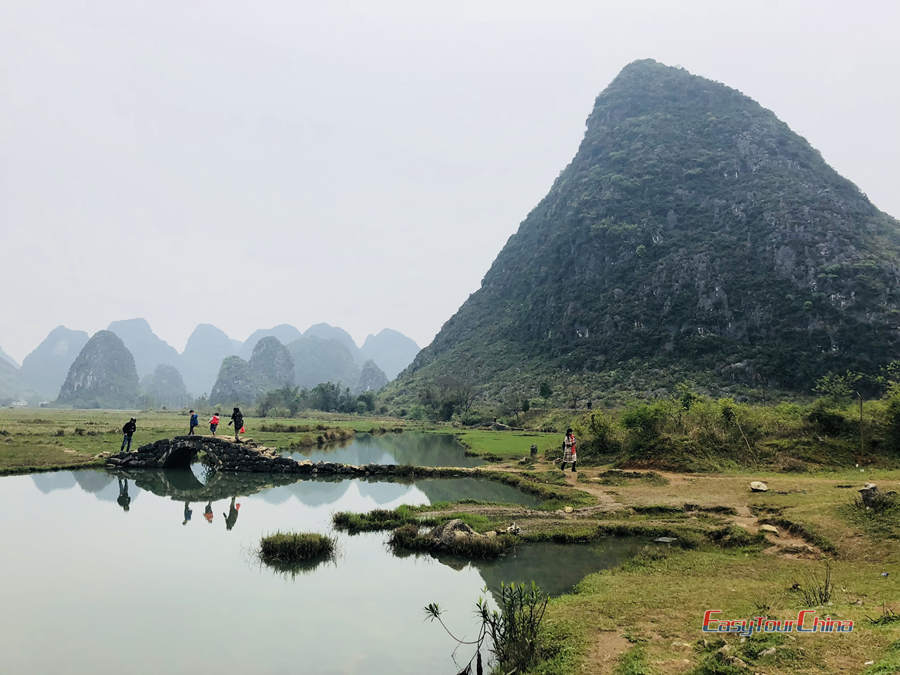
(214, 423)
(195, 422)
(231, 518)
(237, 419)
(127, 432)
(188, 512)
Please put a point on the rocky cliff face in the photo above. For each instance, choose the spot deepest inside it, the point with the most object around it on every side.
(271, 365)
(235, 383)
(11, 386)
(45, 368)
(284, 332)
(164, 388)
(692, 235)
(102, 376)
(148, 349)
(317, 360)
(391, 350)
(371, 378)
(202, 357)
(325, 331)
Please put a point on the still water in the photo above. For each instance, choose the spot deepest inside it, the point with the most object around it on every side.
(416, 448)
(164, 579)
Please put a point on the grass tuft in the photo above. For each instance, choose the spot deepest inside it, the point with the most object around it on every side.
(295, 547)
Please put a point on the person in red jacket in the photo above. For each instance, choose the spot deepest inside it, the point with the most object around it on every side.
(214, 423)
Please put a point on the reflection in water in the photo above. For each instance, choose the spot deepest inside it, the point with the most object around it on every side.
(374, 597)
(415, 448)
(556, 567)
(231, 518)
(124, 500)
(183, 486)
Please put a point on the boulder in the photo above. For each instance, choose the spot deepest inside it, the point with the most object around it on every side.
(869, 494)
(769, 528)
(758, 486)
(452, 531)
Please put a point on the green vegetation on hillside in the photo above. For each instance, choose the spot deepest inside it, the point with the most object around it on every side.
(693, 236)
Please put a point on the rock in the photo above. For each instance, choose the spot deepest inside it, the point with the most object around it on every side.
(452, 531)
(513, 529)
(102, 376)
(568, 509)
(767, 652)
(869, 494)
(490, 533)
(758, 486)
(665, 540)
(769, 528)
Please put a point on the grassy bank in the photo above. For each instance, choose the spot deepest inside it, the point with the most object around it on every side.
(47, 439)
(645, 616)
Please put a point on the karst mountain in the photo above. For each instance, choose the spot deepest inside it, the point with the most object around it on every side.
(693, 236)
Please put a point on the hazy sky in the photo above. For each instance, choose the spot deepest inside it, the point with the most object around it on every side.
(253, 163)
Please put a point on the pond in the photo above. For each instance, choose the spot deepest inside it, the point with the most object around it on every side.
(414, 448)
(171, 584)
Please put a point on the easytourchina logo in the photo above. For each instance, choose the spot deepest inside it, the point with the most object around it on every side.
(806, 622)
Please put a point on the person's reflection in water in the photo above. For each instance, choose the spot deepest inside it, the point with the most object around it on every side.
(124, 500)
(187, 513)
(207, 513)
(231, 518)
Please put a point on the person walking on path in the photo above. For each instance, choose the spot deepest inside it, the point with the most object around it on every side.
(214, 423)
(127, 432)
(237, 419)
(569, 454)
(208, 513)
(195, 422)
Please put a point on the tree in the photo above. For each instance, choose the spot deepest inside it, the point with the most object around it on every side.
(837, 388)
(545, 391)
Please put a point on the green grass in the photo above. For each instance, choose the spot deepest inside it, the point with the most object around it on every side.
(46, 438)
(295, 547)
(633, 662)
(505, 444)
(408, 538)
(889, 664)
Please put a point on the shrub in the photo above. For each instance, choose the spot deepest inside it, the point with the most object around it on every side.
(293, 547)
(514, 629)
(815, 591)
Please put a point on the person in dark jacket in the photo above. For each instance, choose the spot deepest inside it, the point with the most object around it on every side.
(127, 432)
(231, 516)
(124, 500)
(237, 419)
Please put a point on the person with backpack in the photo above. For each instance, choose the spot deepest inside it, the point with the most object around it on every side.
(195, 422)
(214, 423)
(237, 419)
(569, 454)
(127, 432)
